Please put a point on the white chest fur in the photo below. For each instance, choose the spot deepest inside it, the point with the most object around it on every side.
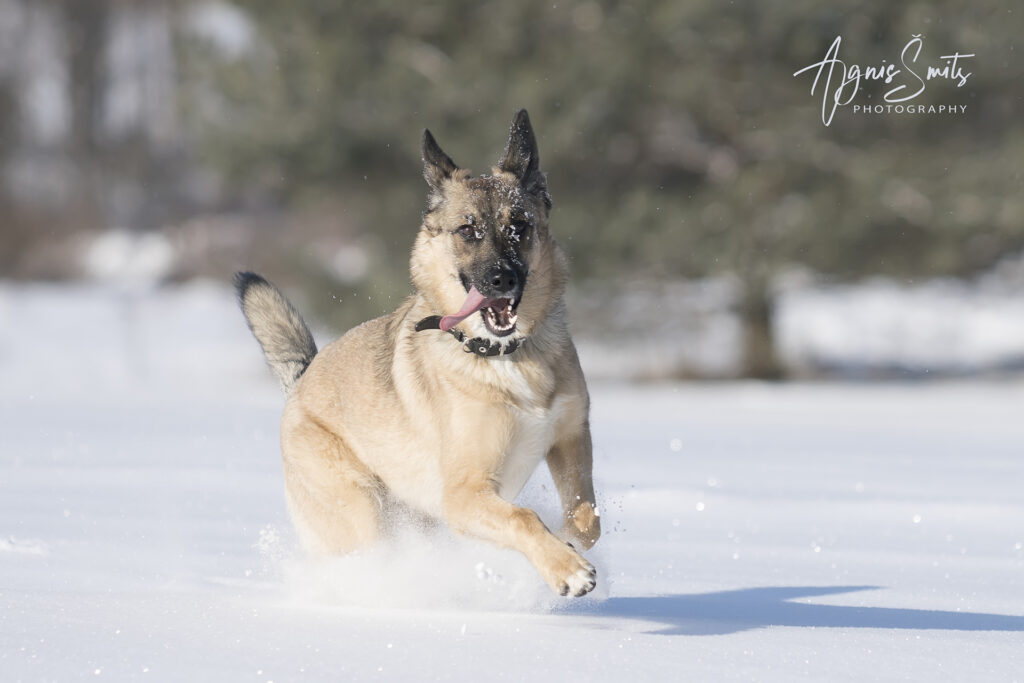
(533, 433)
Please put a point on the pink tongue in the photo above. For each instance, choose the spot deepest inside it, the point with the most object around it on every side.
(473, 303)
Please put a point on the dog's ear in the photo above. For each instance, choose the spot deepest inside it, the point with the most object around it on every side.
(437, 166)
(521, 157)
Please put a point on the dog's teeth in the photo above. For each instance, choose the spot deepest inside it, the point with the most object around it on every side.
(500, 319)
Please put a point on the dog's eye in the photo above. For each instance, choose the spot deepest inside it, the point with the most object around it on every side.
(467, 232)
(519, 227)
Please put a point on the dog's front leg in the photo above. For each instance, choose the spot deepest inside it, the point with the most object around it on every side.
(571, 463)
(473, 507)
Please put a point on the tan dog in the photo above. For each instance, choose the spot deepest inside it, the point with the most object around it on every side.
(448, 404)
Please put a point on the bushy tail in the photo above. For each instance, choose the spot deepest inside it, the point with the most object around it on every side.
(277, 326)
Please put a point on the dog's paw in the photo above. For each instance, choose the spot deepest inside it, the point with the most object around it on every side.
(568, 573)
(581, 582)
(583, 525)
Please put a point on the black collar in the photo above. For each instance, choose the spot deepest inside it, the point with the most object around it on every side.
(478, 345)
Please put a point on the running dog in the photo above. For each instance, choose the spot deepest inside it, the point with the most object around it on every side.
(448, 404)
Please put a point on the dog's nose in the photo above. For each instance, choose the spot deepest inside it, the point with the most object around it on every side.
(503, 280)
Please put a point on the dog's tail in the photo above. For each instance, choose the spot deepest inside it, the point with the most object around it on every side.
(277, 326)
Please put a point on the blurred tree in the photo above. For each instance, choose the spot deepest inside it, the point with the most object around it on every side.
(85, 25)
(90, 141)
(677, 140)
(13, 233)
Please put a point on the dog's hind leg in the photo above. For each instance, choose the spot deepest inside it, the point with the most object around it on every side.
(334, 500)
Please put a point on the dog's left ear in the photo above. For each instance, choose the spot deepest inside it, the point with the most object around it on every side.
(521, 158)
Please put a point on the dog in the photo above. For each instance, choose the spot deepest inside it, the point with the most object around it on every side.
(448, 404)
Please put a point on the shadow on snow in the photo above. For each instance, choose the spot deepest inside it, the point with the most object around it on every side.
(749, 608)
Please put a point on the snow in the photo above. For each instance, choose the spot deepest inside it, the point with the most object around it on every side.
(875, 327)
(948, 326)
(751, 531)
(124, 256)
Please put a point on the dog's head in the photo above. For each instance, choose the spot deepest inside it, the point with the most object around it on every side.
(484, 255)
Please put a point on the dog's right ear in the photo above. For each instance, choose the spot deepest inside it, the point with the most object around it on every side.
(437, 166)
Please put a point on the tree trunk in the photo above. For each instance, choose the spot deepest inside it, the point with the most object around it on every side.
(760, 356)
(85, 28)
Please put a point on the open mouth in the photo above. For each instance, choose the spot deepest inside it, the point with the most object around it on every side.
(500, 316)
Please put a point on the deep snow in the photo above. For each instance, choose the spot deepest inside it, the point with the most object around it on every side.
(825, 532)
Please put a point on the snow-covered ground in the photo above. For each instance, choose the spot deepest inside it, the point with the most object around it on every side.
(752, 532)
(875, 327)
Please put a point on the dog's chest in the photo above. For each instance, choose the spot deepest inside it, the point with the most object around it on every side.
(533, 432)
